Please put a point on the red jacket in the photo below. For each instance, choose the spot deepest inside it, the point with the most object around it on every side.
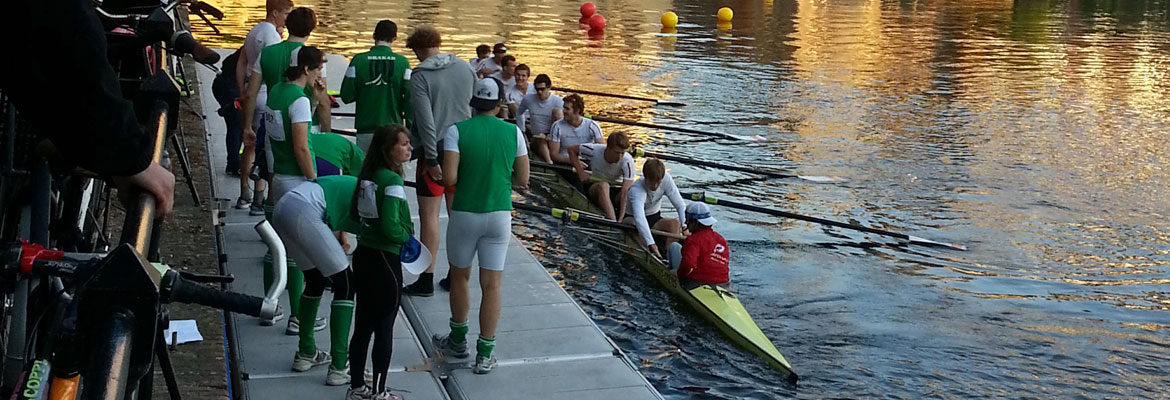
(705, 258)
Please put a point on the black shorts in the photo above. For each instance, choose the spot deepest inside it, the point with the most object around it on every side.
(424, 185)
(653, 219)
(614, 193)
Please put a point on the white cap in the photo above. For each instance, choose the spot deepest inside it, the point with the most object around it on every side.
(700, 212)
(415, 256)
(487, 94)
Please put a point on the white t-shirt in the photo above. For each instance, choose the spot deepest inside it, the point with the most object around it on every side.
(568, 136)
(262, 35)
(643, 202)
(451, 141)
(490, 65)
(515, 96)
(499, 75)
(593, 154)
(539, 112)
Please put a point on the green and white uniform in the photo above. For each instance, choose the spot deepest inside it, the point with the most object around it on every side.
(385, 214)
(379, 81)
(287, 105)
(274, 61)
(337, 151)
(307, 217)
(481, 215)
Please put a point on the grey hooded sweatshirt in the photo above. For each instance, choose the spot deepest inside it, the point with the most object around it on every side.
(440, 93)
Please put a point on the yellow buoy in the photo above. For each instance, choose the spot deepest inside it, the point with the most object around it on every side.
(725, 14)
(669, 19)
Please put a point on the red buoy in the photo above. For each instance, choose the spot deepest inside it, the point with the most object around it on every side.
(587, 10)
(597, 22)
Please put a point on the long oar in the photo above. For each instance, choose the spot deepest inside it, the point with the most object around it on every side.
(700, 196)
(622, 96)
(755, 138)
(578, 216)
(819, 179)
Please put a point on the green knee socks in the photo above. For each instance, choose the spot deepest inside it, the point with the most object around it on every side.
(458, 332)
(340, 319)
(484, 346)
(308, 342)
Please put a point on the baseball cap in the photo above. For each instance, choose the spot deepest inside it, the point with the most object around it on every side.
(499, 48)
(700, 212)
(415, 256)
(487, 94)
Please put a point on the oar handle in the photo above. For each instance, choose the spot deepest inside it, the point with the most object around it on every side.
(571, 215)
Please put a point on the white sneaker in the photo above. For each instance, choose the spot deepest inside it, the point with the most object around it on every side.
(387, 396)
(337, 377)
(484, 365)
(362, 393)
(302, 363)
(294, 325)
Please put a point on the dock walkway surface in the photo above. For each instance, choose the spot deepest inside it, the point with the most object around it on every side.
(547, 346)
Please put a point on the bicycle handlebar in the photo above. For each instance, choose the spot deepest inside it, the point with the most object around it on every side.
(184, 291)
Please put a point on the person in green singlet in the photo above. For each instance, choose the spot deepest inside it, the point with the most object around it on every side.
(312, 220)
(484, 157)
(290, 151)
(379, 81)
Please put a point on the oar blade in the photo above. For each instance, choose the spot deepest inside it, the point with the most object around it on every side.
(670, 103)
(822, 179)
(928, 242)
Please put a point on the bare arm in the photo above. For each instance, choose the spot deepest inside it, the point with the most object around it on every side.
(324, 106)
(554, 151)
(249, 103)
(557, 115)
(520, 170)
(575, 161)
(300, 138)
(622, 201)
(450, 168)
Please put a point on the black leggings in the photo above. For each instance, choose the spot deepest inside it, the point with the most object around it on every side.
(378, 276)
(341, 283)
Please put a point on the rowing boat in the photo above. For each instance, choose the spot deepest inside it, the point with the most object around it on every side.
(714, 303)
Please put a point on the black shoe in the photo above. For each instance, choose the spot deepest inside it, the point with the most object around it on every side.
(232, 171)
(418, 289)
(445, 283)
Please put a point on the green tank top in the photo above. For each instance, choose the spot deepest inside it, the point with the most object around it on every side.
(278, 128)
(339, 151)
(338, 191)
(487, 151)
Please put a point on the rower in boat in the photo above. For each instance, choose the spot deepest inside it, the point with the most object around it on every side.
(645, 201)
(703, 257)
(610, 165)
(543, 109)
(572, 130)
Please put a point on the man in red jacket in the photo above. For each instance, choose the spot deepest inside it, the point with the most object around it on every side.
(703, 257)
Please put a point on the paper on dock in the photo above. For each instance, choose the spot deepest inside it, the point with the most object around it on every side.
(187, 332)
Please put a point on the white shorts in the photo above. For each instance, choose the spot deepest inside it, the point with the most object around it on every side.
(487, 235)
(299, 220)
(282, 184)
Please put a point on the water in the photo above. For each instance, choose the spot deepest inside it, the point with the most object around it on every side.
(1032, 131)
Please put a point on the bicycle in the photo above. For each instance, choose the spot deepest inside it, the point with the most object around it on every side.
(108, 309)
